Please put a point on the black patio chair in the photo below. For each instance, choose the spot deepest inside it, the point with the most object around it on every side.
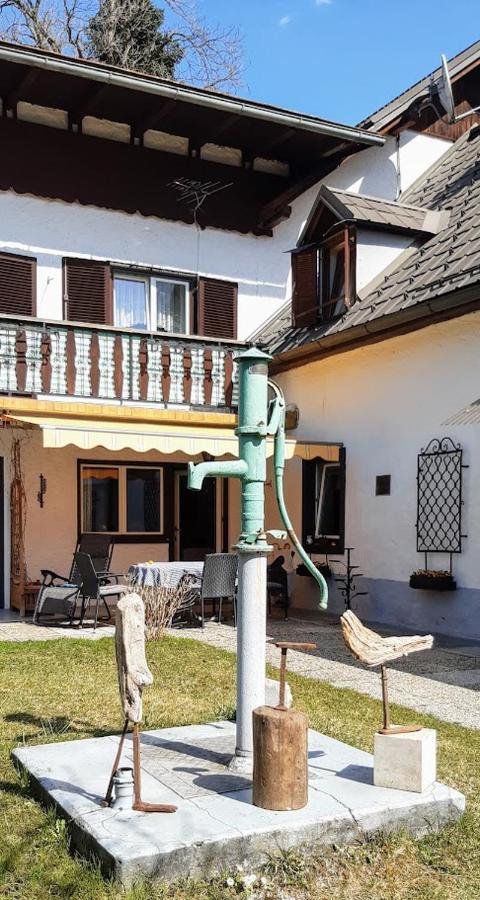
(277, 586)
(218, 583)
(96, 587)
(58, 594)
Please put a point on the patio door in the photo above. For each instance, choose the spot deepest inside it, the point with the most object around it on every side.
(196, 517)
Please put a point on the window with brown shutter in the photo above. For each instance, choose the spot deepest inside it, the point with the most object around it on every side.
(217, 308)
(18, 275)
(88, 291)
(305, 304)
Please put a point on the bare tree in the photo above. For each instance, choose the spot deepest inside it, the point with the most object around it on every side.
(211, 54)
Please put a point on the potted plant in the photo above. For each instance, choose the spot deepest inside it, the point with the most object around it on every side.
(432, 580)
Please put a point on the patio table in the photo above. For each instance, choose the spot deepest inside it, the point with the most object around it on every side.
(162, 574)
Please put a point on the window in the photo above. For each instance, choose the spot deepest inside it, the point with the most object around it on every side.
(323, 279)
(382, 485)
(153, 303)
(336, 270)
(324, 505)
(122, 500)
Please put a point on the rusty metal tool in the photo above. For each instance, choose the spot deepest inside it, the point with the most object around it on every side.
(138, 804)
(284, 646)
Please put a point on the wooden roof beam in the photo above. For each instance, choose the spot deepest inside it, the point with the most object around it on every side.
(15, 94)
(78, 112)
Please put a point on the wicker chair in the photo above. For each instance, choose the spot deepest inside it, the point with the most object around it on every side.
(218, 583)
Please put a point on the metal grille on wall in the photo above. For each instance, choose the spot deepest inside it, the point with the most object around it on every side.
(439, 497)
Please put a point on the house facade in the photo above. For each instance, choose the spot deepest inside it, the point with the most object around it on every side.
(145, 230)
(384, 360)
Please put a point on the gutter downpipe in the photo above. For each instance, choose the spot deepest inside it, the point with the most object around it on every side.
(190, 95)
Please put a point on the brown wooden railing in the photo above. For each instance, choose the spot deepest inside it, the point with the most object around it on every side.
(64, 359)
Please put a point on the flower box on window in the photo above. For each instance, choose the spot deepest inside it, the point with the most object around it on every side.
(323, 568)
(432, 580)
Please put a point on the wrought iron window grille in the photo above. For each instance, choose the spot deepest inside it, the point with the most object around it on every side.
(440, 498)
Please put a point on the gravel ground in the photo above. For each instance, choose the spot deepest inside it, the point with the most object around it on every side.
(439, 681)
(442, 681)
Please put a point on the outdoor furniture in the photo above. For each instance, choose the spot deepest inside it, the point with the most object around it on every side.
(96, 587)
(151, 580)
(277, 585)
(57, 595)
(219, 583)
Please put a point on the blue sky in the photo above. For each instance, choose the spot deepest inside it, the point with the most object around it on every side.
(341, 59)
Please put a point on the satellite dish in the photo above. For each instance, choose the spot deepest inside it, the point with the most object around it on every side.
(441, 95)
(445, 93)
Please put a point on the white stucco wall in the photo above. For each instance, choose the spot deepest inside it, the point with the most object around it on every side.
(375, 251)
(385, 402)
(50, 230)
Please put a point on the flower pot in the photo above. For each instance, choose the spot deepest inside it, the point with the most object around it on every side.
(432, 582)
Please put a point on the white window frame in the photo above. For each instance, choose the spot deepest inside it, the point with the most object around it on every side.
(151, 283)
(122, 469)
(319, 498)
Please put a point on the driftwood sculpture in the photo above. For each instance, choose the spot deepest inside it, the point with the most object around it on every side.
(133, 675)
(373, 650)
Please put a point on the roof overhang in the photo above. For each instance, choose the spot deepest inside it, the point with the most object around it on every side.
(422, 315)
(303, 148)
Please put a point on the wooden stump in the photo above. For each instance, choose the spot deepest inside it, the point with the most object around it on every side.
(280, 760)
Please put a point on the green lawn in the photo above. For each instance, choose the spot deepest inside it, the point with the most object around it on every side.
(63, 690)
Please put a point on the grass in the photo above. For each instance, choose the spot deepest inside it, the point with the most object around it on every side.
(65, 690)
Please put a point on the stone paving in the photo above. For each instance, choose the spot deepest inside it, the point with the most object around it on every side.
(444, 682)
(216, 824)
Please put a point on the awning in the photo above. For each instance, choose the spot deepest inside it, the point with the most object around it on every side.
(165, 438)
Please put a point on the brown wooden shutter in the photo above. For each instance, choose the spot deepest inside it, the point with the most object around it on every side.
(305, 307)
(18, 275)
(88, 291)
(217, 308)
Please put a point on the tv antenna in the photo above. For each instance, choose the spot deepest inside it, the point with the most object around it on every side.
(440, 97)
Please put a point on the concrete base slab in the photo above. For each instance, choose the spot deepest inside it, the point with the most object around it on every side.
(216, 825)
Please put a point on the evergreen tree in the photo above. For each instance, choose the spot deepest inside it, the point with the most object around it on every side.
(130, 34)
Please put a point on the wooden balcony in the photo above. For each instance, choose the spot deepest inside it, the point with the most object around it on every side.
(65, 359)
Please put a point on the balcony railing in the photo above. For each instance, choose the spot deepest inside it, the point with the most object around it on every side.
(63, 359)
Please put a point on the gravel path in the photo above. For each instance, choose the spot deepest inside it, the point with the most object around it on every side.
(442, 682)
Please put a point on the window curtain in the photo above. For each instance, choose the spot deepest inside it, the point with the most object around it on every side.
(130, 303)
(171, 307)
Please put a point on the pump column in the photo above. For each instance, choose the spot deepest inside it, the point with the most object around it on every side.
(252, 551)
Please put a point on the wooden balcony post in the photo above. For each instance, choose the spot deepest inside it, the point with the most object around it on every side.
(187, 374)
(71, 371)
(208, 381)
(228, 373)
(143, 377)
(118, 366)
(94, 364)
(166, 372)
(21, 356)
(46, 371)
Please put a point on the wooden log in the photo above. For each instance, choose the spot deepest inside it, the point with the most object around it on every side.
(280, 759)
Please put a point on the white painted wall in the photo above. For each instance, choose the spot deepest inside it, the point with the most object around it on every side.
(375, 251)
(385, 402)
(52, 229)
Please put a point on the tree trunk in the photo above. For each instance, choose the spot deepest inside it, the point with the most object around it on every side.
(280, 759)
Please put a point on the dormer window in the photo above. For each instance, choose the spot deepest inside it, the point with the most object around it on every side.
(324, 278)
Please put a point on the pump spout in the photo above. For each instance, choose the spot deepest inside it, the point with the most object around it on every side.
(234, 468)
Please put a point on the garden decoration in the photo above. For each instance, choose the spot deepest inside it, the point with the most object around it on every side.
(347, 583)
(373, 650)
(133, 675)
(257, 418)
(280, 750)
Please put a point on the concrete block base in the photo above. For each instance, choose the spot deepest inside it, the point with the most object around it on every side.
(216, 825)
(407, 762)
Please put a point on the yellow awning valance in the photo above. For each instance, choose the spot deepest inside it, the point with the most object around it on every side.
(165, 438)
